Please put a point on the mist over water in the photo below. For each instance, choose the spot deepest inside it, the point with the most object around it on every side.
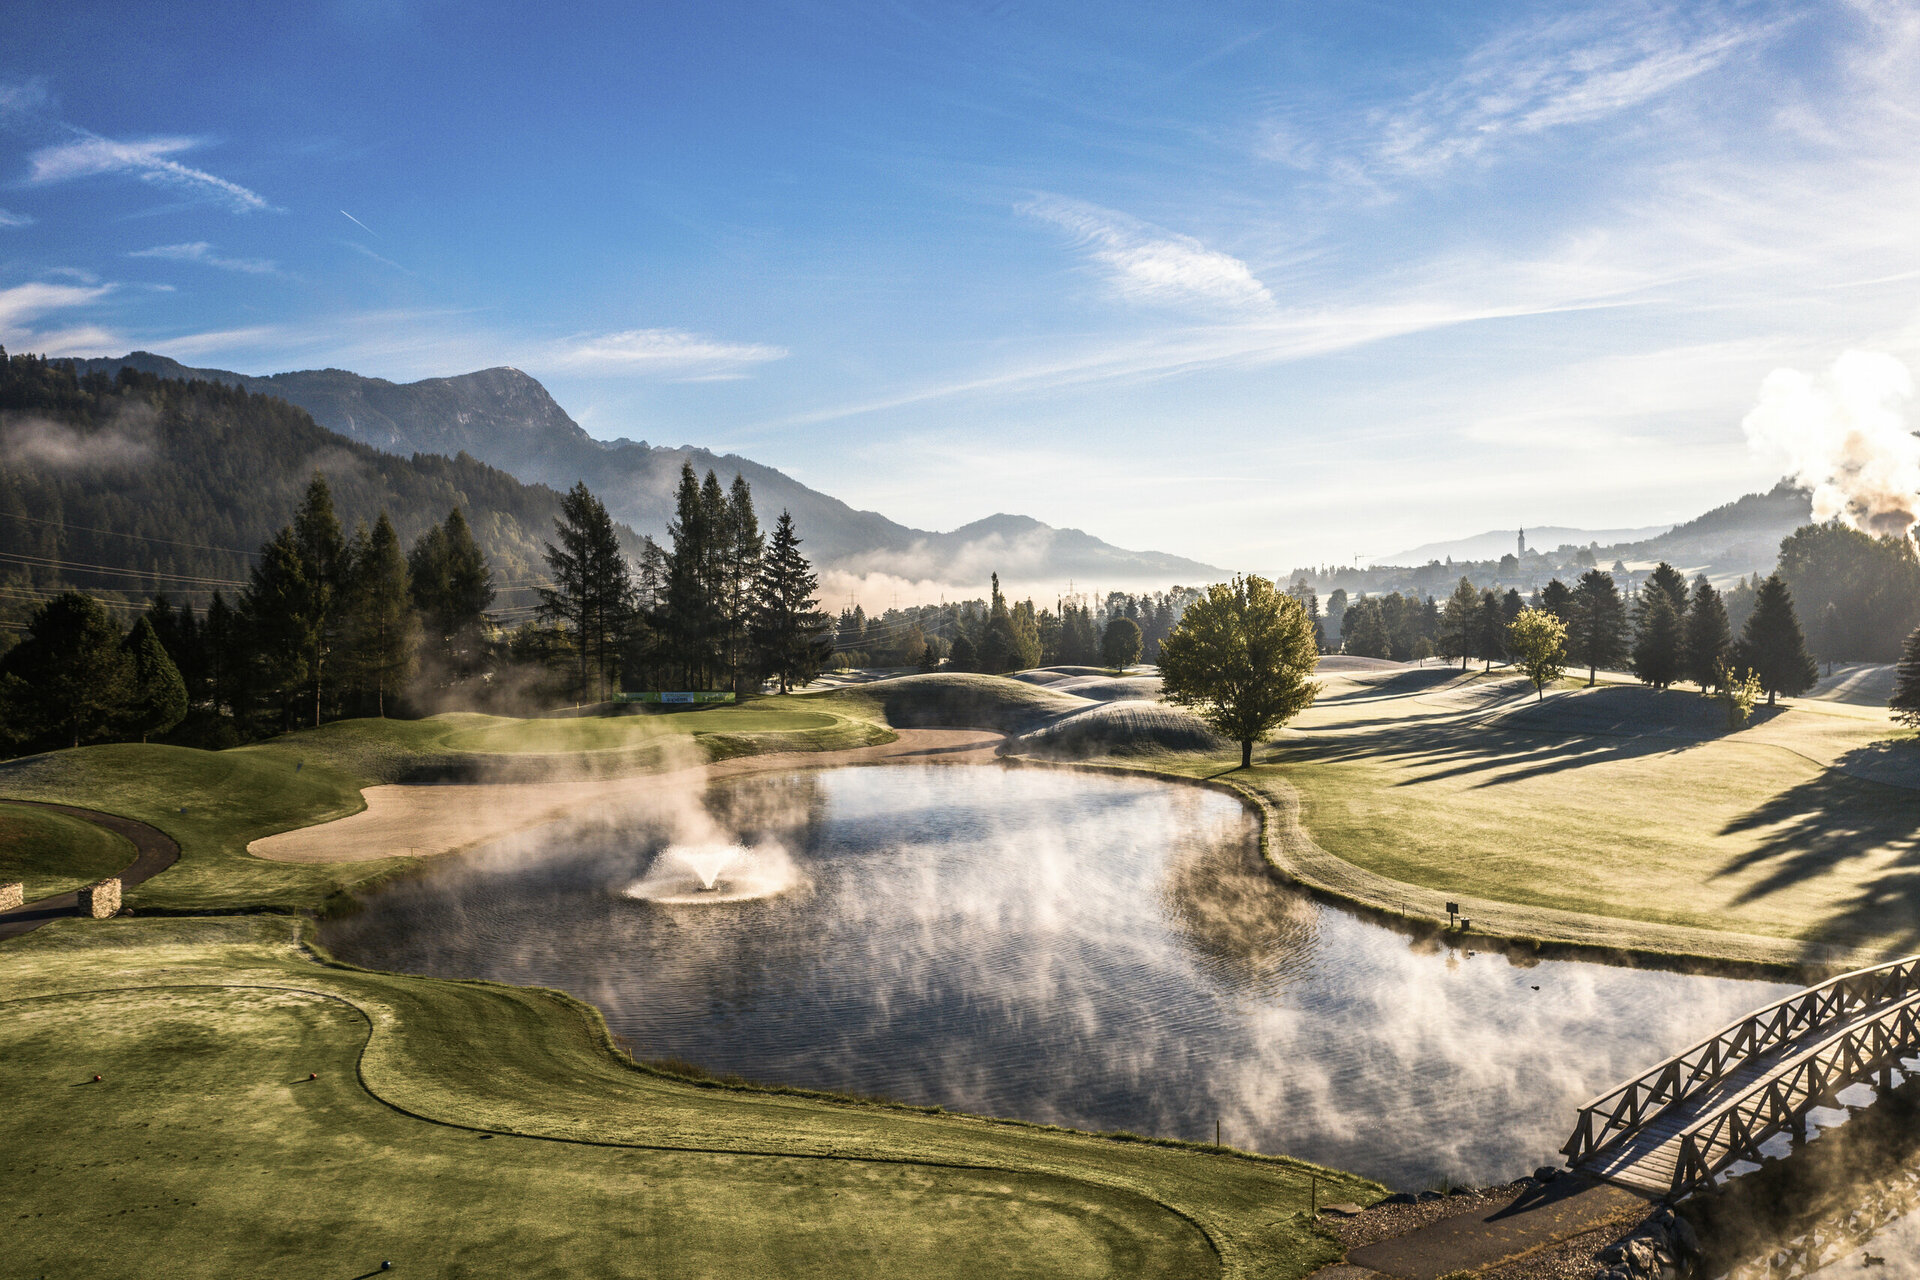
(1097, 952)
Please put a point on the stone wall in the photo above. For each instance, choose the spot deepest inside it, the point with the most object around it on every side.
(12, 895)
(102, 899)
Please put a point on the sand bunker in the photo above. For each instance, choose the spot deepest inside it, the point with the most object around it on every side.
(419, 821)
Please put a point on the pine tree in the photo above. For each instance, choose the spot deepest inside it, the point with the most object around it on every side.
(69, 680)
(1658, 652)
(1596, 634)
(1004, 648)
(1772, 646)
(1557, 599)
(382, 633)
(1671, 583)
(962, 657)
(592, 591)
(322, 550)
(1490, 630)
(691, 623)
(279, 628)
(451, 585)
(1459, 624)
(158, 699)
(744, 547)
(791, 636)
(1905, 702)
(1708, 639)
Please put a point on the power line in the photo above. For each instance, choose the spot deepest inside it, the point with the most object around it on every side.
(138, 537)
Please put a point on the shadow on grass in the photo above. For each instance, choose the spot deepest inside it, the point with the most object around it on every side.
(1813, 829)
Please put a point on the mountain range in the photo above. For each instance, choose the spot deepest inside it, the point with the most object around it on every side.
(506, 418)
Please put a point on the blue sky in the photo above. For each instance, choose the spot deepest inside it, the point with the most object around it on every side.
(1263, 285)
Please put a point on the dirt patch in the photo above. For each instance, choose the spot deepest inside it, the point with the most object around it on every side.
(421, 821)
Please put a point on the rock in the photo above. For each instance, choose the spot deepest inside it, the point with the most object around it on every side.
(101, 899)
(1545, 1173)
(1342, 1210)
(1614, 1253)
(1400, 1197)
(1684, 1238)
(12, 894)
(1425, 1196)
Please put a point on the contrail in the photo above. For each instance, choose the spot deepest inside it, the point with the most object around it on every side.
(363, 226)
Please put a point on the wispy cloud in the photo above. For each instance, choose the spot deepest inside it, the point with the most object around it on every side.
(1149, 264)
(9, 219)
(149, 160)
(365, 252)
(1573, 68)
(23, 305)
(202, 252)
(671, 353)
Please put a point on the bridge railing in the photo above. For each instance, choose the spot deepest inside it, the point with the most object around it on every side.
(1738, 1129)
(1627, 1106)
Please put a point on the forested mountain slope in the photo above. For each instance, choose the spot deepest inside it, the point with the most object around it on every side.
(132, 484)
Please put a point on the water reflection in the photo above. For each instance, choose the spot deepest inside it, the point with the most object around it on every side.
(1098, 952)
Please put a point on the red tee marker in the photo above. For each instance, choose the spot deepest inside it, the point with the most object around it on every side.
(96, 1079)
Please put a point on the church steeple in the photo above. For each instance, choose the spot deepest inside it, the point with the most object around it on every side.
(1523, 544)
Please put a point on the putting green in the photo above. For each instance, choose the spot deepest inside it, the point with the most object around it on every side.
(606, 733)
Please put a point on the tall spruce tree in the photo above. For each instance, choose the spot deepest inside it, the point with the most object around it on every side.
(1708, 640)
(1597, 632)
(592, 591)
(744, 547)
(451, 584)
(1490, 630)
(158, 698)
(1557, 599)
(1004, 648)
(691, 621)
(1658, 649)
(69, 680)
(382, 632)
(791, 635)
(1905, 702)
(322, 549)
(1460, 624)
(1772, 646)
(279, 629)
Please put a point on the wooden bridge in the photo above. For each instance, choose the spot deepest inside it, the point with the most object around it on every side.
(1681, 1123)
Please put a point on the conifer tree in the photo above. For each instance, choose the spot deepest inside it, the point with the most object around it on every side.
(1657, 643)
(1671, 583)
(382, 633)
(1772, 646)
(69, 680)
(1120, 646)
(1460, 624)
(791, 636)
(692, 621)
(1557, 599)
(157, 700)
(1004, 647)
(592, 591)
(1490, 630)
(1596, 634)
(225, 659)
(322, 549)
(1708, 640)
(961, 656)
(1905, 702)
(744, 547)
(280, 630)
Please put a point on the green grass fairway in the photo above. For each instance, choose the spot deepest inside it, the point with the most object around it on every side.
(608, 733)
(51, 853)
(205, 1140)
(1617, 815)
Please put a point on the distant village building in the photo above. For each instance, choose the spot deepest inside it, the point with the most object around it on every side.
(1523, 544)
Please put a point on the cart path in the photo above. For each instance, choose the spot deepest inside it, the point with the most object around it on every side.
(155, 851)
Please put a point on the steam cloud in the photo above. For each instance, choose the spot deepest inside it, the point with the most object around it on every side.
(1845, 437)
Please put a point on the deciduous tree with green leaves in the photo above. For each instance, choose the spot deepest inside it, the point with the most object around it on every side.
(1242, 657)
(1538, 642)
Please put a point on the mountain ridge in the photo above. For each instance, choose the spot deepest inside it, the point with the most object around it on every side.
(504, 417)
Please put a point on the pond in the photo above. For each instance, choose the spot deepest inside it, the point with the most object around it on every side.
(1060, 947)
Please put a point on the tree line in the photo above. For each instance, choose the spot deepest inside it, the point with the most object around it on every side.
(331, 625)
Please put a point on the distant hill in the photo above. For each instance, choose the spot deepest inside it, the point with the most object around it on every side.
(1495, 543)
(1729, 541)
(506, 418)
(143, 485)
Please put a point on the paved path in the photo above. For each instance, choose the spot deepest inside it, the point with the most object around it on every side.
(1541, 1216)
(155, 852)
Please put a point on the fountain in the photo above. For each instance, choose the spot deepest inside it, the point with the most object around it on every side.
(685, 874)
